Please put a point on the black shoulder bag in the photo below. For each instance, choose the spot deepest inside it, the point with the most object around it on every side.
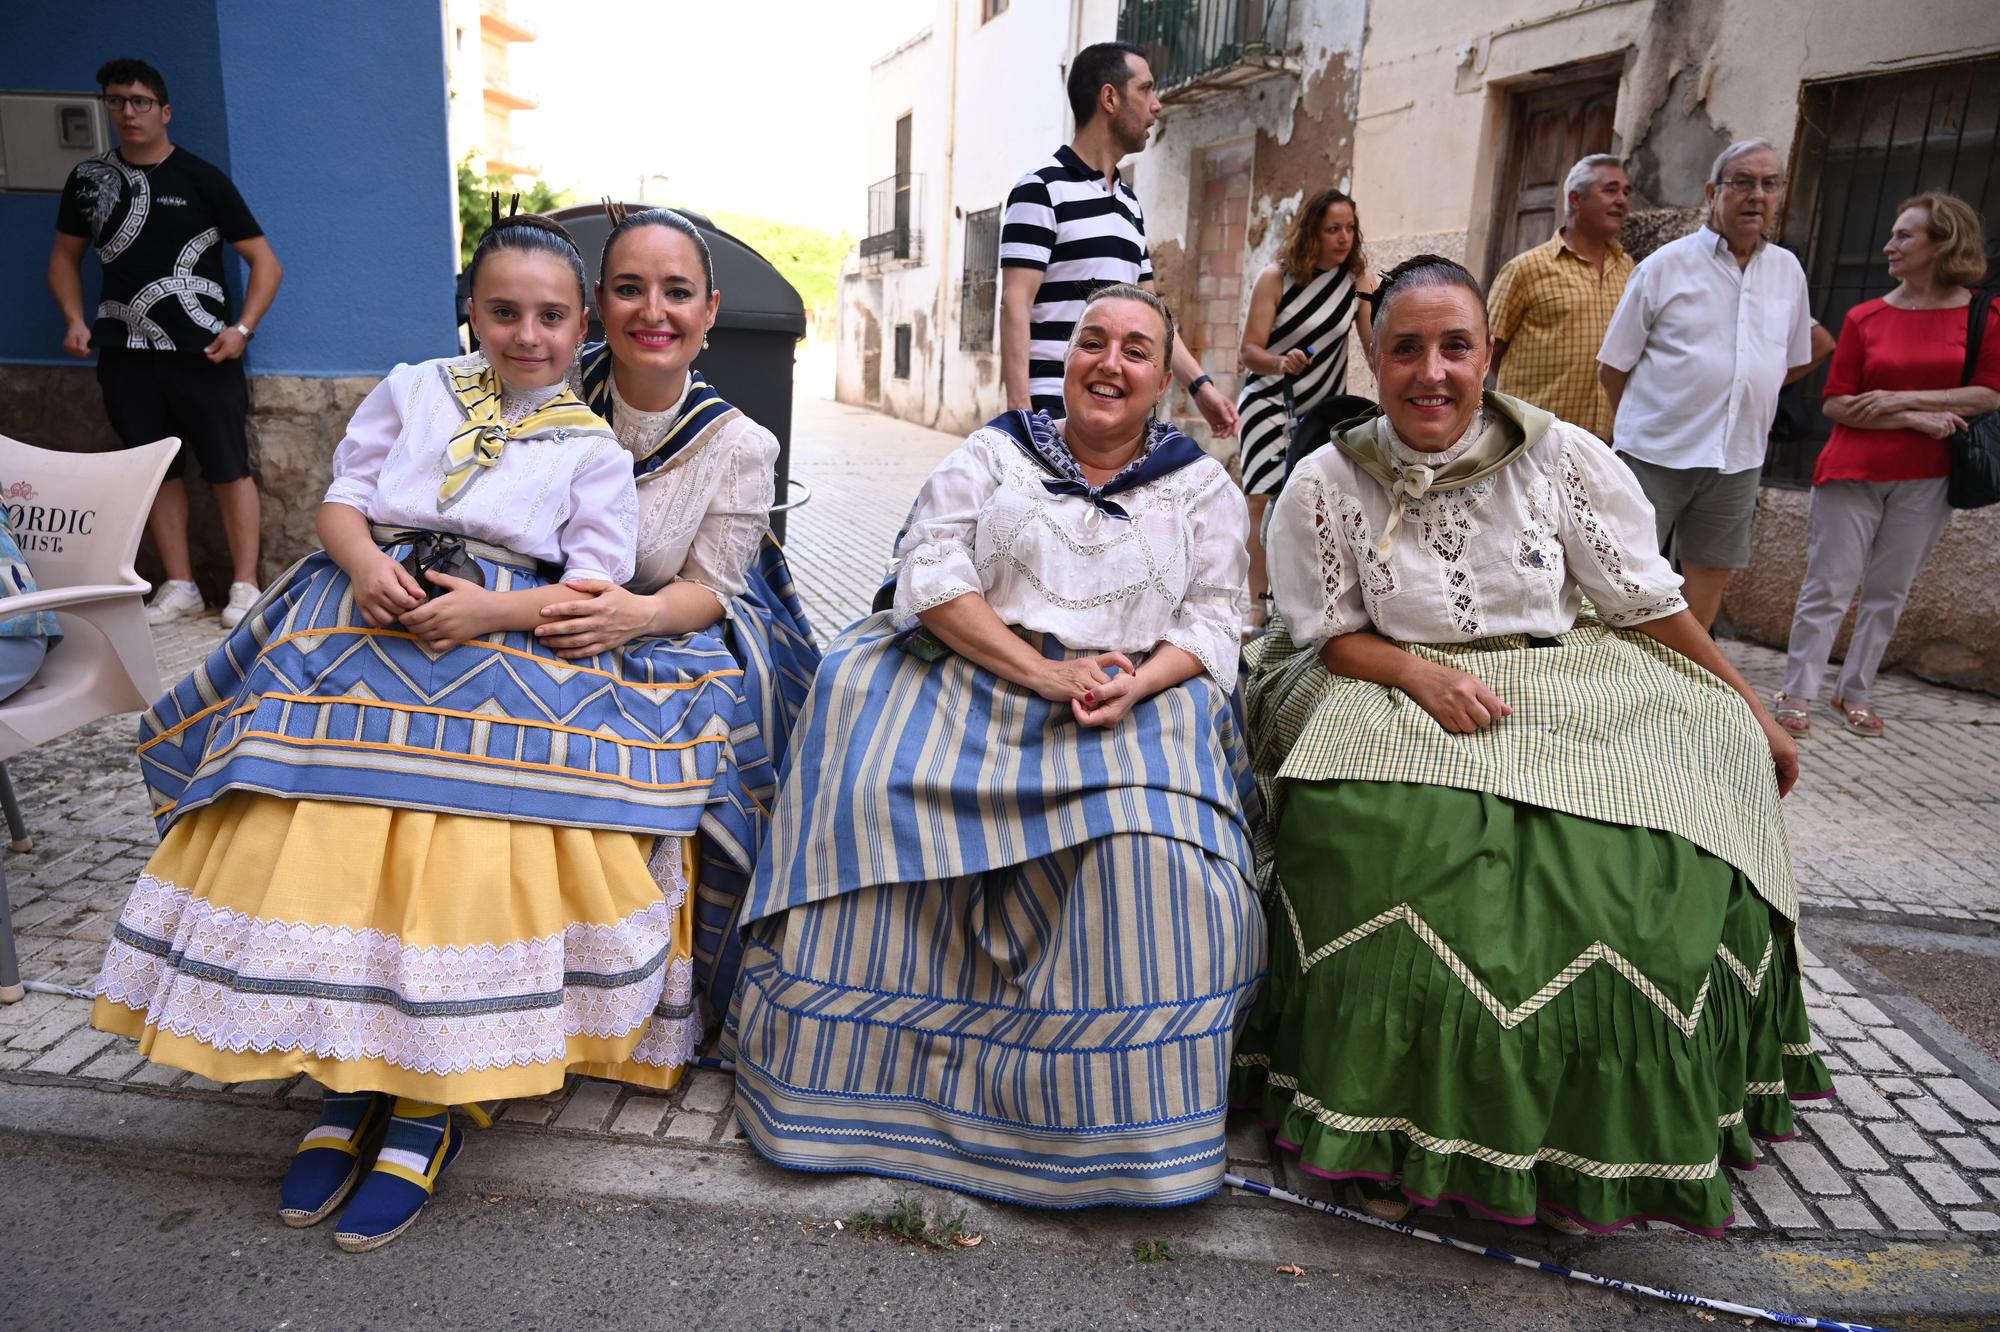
(1975, 450)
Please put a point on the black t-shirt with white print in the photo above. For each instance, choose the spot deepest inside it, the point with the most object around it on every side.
(160, 231)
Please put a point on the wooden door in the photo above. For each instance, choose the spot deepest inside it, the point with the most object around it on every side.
(1551, 126)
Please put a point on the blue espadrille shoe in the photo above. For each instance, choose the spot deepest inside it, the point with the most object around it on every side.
(332, 1156)
(421, 1141)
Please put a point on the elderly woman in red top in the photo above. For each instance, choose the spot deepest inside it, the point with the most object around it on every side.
(1895, 394)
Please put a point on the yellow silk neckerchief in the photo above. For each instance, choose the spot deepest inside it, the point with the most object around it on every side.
(480, 441)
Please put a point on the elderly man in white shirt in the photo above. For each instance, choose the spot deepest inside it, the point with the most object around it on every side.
(1711, 326)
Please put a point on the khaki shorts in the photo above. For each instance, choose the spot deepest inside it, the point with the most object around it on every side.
(1704, 516)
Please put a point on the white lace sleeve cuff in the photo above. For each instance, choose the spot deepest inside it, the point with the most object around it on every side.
(931, 574)
(1610, 540)
(1313, 575)
(1204, 631)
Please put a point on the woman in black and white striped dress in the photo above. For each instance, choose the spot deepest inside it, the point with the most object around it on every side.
(1300, 312)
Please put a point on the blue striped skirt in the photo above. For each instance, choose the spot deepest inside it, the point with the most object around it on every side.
(995, 951)
(769, 637)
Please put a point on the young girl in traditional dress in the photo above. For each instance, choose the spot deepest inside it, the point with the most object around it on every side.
(406, 845)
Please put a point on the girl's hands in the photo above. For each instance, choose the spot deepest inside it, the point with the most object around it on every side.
(1068, 681)
(384, 591)
(444, 622)
(606, 617)
(1459, 702)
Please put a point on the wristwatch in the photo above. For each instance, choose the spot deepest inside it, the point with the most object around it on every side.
(247, 331)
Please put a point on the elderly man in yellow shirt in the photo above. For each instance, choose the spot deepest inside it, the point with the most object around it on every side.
(1549, 306)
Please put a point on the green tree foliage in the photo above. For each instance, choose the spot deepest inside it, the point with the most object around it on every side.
(475, 206)
(807, 257)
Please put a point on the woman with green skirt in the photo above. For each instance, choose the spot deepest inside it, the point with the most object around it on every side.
(1532, 904)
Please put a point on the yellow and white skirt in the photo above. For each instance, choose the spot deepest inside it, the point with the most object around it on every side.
(441, 957)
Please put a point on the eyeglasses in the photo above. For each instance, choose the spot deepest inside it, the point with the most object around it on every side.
(1749, 184)
(115, 102)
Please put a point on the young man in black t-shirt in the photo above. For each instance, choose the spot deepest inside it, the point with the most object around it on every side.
(169, 354)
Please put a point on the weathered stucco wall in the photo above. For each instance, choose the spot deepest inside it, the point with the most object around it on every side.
(1298, 130)
(295, 424)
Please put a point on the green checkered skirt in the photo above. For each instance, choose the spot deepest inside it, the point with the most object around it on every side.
(1566, 1002)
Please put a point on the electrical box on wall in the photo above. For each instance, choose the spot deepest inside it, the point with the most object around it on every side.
(43, 135)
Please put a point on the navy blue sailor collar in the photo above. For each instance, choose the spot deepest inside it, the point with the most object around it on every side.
(1165, 452)
(703, 412)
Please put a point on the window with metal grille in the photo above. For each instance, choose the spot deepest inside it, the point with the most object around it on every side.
(1864, 145)
(902, 363)
(979, 296)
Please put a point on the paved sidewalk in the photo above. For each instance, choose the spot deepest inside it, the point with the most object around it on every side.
(1899, 829)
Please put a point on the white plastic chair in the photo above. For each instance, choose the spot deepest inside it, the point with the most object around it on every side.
(82, 516)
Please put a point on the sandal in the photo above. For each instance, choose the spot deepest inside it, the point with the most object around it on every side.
(1860, 719)
(1559, 1222)
(420, 1143)
(1384, 1202)
(1791, 714)
(337, 1151)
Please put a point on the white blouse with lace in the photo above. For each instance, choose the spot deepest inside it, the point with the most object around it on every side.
(1173, 572)
(566, 499)
(703, 514)
(1513, 553)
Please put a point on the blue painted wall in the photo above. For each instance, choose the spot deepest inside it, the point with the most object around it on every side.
(331, 119)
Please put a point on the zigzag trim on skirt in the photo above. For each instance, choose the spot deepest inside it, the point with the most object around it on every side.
(1493, 1156)
(1510, 1018)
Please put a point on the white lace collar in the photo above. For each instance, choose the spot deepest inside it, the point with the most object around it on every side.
(636, 429)
(1404, 455)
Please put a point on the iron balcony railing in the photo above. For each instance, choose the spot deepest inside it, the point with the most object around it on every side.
(894, 204)
(1206, 41)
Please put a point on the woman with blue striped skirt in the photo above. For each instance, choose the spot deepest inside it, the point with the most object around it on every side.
(707, 565)
(1003, 928)
(1533, 913)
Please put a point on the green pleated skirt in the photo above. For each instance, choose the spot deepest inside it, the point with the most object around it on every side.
(1496, 1003)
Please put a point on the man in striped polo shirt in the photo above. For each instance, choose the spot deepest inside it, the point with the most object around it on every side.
(1073, 226)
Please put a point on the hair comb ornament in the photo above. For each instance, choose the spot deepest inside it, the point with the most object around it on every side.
(614, 212)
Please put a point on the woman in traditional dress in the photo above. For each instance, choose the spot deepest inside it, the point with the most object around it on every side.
(405, 846)
(1295, 346)
(1003, 927)
(1533, 906)
(706, 562)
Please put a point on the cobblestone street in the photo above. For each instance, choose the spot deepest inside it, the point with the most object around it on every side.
(1897, 834)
